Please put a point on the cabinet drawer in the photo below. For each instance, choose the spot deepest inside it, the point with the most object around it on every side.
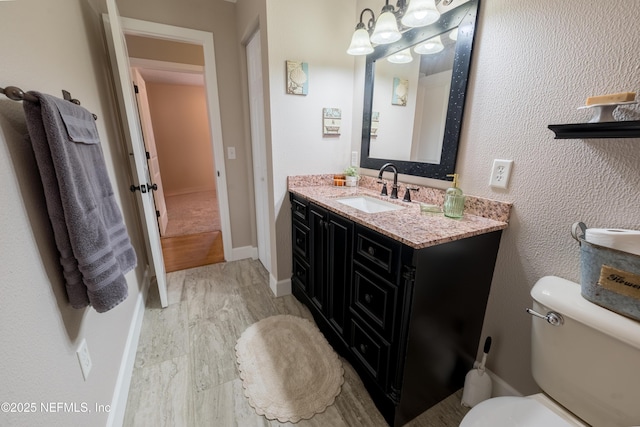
(300, 239)
(371, 351)
(300, 273)
(375, 300)
(299, 209)
(379, 253)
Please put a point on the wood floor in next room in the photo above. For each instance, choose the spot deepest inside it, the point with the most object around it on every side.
(185, 371)
(193, 237)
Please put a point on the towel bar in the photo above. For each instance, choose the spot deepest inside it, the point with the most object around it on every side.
(16, 94)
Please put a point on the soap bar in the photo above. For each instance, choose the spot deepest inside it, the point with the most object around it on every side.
(613, 98)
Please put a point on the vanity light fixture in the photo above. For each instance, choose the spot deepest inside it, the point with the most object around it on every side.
(384, 30)
(360, 43)
(402, 57)
(420, 13)
(433, 45)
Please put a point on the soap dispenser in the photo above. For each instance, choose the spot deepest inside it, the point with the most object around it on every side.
(453, 200)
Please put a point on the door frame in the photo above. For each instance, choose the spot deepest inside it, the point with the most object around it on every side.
(258, 149)
(205, 39)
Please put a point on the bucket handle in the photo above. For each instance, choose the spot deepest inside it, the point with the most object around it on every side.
(578, 230)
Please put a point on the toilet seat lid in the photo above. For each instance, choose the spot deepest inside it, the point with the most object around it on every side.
(509, 411)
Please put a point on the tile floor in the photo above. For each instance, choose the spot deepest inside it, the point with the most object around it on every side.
(185, 371)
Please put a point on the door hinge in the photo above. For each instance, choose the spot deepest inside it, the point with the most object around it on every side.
(148, 155)
(157, 214)
(135, 88)
(218, 172)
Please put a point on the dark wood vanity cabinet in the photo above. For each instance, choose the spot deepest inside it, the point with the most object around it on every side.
(408, 320)
(322, 246)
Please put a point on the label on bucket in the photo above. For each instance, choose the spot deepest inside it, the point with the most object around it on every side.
(619, 281)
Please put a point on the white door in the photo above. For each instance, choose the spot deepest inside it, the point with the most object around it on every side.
(152, 152)
(256, 111)
(133, 135)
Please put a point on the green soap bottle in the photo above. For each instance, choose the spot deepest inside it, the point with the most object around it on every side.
(453, 200)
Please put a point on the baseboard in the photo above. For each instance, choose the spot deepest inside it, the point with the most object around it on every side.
(499, 386)
(121, 392)
(244, 253)
(280, 288)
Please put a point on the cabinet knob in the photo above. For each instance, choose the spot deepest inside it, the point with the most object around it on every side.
(371, 250)
(368, 298)
(298, 241)
(363, 348)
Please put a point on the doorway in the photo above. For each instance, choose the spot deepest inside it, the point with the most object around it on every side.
(184, 241)
(172, 106)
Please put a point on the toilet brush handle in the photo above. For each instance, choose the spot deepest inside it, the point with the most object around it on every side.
(487, 345)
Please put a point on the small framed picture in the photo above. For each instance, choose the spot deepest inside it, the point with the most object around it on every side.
(331, 121)
(297, 78)
(400, 91)
(375, 122)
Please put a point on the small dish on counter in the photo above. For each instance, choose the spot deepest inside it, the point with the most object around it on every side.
(430, 209)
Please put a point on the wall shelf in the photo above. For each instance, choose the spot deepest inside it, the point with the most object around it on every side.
(628, 129)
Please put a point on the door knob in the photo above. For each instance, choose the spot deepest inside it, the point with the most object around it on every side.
(142, 188)
(152, 187)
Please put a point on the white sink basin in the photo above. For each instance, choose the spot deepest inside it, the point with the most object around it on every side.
(369, 204)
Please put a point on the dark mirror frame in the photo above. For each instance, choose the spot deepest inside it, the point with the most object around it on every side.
(465, 18)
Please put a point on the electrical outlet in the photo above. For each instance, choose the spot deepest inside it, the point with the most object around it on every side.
(500, 173)
(231, 153)
(84, 359)
(354, 158)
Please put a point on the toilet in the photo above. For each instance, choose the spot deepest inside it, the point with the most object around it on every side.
(588, 367)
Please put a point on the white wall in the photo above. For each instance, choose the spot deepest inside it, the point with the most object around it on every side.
(312, 32)
(396, 123)
(533, 64)
(59, 47)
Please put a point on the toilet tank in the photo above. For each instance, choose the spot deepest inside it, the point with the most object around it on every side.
(591, 363)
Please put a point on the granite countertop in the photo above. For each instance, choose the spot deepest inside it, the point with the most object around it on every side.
(407, 225)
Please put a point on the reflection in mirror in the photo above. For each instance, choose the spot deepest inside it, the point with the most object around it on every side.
(414, 131)
(414, 95)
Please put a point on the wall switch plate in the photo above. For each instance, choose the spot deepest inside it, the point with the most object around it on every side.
(231, 153)
(354, 158)
(84, 359)
(500, 173)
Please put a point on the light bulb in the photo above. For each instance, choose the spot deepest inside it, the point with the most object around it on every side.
(420, 13)
(433, 45)
(360, 44)
(402, 57)
(386, 30)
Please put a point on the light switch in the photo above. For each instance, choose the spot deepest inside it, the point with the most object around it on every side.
(231, 153)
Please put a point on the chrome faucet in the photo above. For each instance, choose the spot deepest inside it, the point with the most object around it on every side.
(394, 189)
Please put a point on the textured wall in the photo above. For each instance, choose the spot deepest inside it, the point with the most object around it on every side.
(533, 64)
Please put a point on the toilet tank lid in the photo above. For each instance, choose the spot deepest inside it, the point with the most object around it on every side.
(564, 296)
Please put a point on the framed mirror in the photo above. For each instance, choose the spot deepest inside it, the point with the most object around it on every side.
(413, 110)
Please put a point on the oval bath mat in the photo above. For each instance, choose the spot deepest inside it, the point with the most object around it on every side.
(288, 369)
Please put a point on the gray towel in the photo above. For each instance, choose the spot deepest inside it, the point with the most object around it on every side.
(95, 250)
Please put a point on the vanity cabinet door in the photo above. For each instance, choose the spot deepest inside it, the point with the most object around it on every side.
(340, 247)
(318, 254)
(330, 265)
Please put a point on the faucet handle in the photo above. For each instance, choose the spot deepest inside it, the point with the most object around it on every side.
(384, 187)
(407, 194)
